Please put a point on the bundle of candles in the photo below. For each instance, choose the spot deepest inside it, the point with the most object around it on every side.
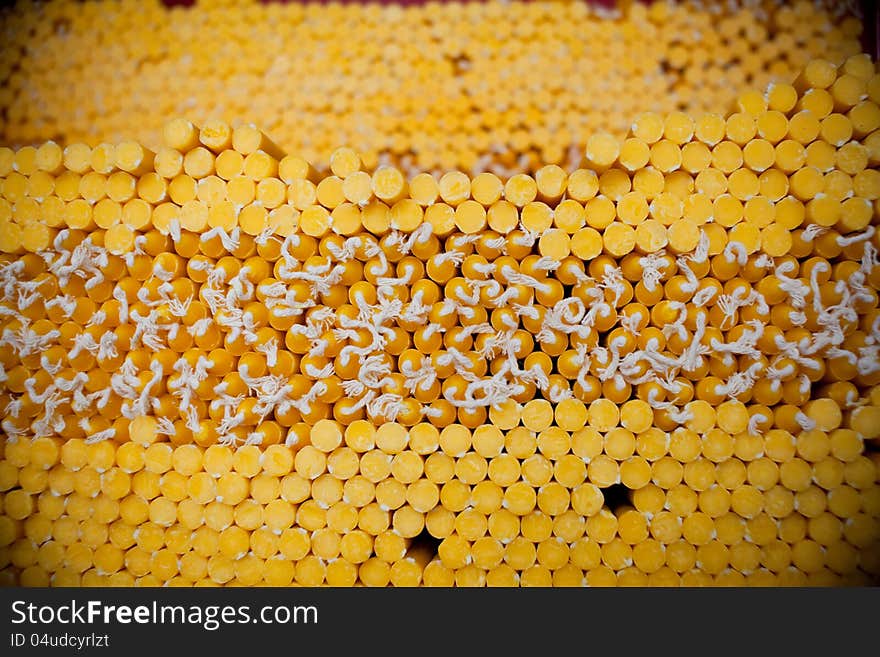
(501, 86)
(223, 364)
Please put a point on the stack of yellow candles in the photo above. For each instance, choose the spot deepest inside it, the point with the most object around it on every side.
(497, 86)
(222, 363)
